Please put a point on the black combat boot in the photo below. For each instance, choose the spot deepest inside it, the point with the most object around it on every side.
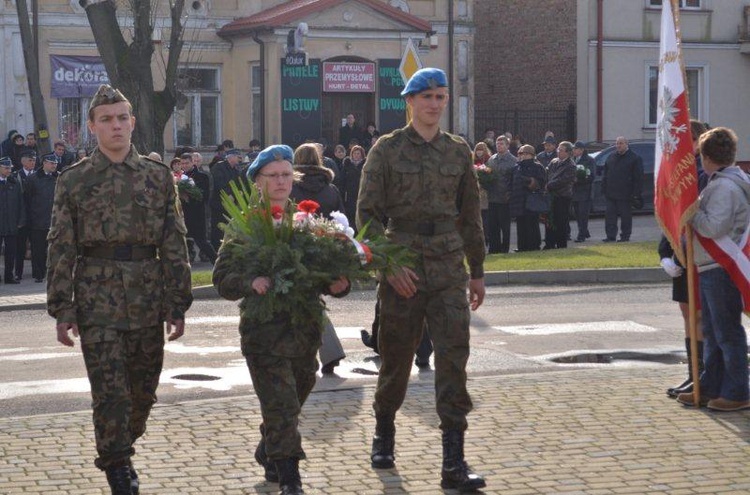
(135, 483)
(686, 387)
(270, 473)
(383, 442)
(119, 480)
(290, 482)
(456, 473)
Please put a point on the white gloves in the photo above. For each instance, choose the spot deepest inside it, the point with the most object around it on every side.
(672, 269)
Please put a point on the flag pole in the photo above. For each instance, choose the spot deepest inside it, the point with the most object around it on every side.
(693, 317)
(689, 255)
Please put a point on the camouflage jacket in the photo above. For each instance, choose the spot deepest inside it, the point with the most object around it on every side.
(102, 203)
(408, 179)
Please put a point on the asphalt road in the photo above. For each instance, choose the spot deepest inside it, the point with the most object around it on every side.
(518, 329)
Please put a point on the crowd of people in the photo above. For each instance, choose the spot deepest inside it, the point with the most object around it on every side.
(543, 186)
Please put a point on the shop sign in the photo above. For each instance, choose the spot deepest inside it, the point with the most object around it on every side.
(76, 76)
(348, 77)
(391, 105)
(301, 106)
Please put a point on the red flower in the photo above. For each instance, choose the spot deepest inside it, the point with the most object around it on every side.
(368, 253)
(308, 206)
(277, 212)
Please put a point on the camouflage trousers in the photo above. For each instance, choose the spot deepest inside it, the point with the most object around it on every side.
(282, 385)
(401, 321)
(123, 369)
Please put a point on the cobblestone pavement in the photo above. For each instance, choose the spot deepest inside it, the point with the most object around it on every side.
(594, 431)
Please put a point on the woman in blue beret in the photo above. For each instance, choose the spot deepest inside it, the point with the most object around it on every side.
(281, 357)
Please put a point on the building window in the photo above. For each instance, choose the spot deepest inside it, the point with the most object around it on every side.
(197, 117)
(463, 61)
(462, 9)
(695, 88)
(684, 4)
(255, 84)
(72, 115)
(463, 117)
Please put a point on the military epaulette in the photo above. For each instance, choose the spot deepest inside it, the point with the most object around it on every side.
(144, 157)
(79, 163)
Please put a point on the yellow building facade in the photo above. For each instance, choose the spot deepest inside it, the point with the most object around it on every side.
(277, 71)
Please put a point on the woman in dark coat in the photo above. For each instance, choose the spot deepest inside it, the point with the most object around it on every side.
(528, 176)
(315, 182)
(352, 172)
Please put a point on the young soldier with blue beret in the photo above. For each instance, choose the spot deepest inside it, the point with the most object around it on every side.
(422, 180)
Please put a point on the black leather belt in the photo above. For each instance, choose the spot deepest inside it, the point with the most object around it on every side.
(421, 228)
(121, 252)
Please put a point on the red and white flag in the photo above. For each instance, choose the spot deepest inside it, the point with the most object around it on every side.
(675, 173)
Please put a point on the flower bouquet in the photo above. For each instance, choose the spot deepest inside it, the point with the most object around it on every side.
(485, 176)
(582, 173)
(187, 190)
(301, 252)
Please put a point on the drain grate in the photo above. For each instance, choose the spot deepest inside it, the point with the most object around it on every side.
(197, 377)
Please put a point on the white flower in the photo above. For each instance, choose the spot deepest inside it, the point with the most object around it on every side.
(340, 218)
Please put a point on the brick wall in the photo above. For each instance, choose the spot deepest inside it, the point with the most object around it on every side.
(525, 58)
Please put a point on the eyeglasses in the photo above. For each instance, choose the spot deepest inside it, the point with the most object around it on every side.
(286, 176)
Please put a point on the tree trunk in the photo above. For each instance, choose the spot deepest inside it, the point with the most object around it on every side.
(30, 59)
(129, 66)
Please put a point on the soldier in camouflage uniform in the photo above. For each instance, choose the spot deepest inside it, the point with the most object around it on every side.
(118, 269)
(422, 180)
(281, 357)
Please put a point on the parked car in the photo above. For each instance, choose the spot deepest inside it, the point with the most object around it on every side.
(643, 148)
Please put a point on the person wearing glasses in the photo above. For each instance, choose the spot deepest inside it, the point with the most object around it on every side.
(281, 357)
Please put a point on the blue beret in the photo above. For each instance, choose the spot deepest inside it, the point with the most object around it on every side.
(427, 78)
(234, 151)
(5, 162)
(51, 157)
(273, 153)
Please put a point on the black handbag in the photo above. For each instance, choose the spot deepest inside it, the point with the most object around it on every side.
(537, 202)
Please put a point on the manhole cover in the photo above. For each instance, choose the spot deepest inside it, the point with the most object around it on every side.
(609, 358)
(363, 371)
(197, 378)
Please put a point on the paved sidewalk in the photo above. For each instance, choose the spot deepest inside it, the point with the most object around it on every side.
(595, 431)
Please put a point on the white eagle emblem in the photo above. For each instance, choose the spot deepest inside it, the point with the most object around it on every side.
(668, 133)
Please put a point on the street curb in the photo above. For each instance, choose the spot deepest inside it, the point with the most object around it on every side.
(531, 277)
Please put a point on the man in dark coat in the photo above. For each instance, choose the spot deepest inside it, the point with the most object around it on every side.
(39, 192)
(502, 164)
(222, 173)
(349, 132)
(546, 156)
(621, 184)
(23, 238)
(585, 170)
(195, 208)
(12, 215)
(66, 157)
(16, 149)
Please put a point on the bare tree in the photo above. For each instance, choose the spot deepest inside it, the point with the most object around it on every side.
(129, 65)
